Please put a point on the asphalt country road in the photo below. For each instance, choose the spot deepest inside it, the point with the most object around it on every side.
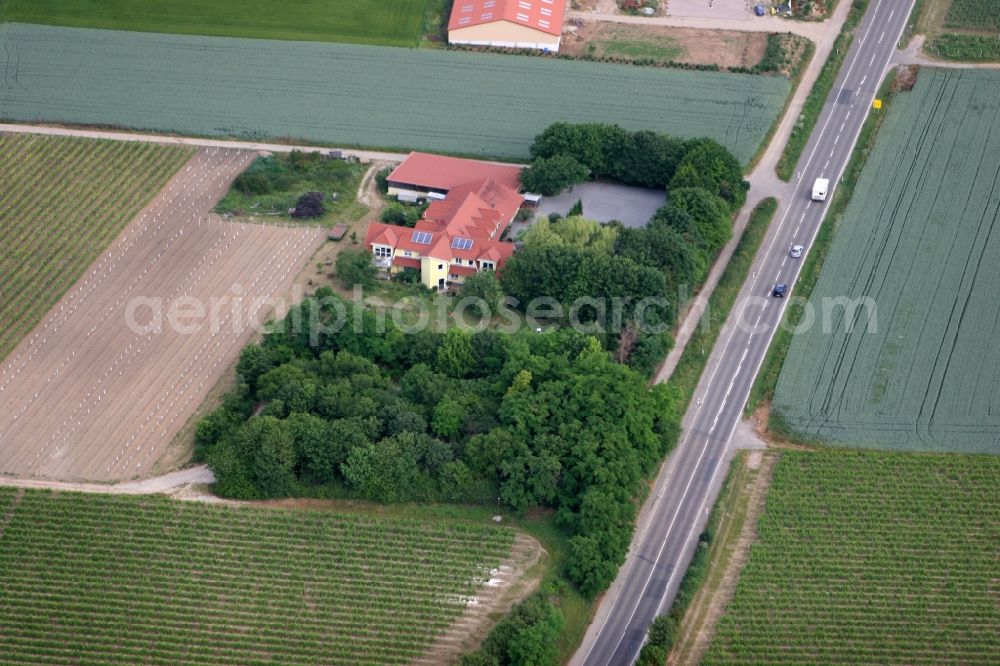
(678, 507)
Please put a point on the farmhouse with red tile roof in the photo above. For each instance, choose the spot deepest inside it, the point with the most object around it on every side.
(471, 204)
(523, 24)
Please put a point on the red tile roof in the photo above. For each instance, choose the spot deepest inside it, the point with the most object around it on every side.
(466, 224)
(544, 15)
(406, 262)
(462, 270)
(481, 209)
(382, 234)
(444, 173)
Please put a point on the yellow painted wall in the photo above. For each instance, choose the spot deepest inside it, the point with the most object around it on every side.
(504, 33)
(430, 273)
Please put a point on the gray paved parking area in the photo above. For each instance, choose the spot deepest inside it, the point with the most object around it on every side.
(604, 202)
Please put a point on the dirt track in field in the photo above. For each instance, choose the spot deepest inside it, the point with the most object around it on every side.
(87, 396)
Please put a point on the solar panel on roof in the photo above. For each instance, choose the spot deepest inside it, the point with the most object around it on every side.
(461, 243)
(422, 237)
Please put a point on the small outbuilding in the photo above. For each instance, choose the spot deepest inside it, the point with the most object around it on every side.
(522, 24)
(337, 232)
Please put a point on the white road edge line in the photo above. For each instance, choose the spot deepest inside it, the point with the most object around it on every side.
(733, 332)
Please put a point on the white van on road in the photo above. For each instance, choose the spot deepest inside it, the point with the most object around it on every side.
(820, 188)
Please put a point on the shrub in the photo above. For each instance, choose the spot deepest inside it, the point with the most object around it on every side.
(355, 267)
(252, 183)
(309, 205)
(397, 213)
(551, 175)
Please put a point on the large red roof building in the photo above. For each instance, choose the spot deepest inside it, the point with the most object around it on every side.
(524, 24)
(471, 205)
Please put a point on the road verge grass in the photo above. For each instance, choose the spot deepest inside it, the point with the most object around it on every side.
(820, 91)
(767, 378)
(666, 628)
(692, 362)
(795, 76)
(740, 501)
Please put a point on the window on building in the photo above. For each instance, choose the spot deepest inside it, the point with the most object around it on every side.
(487, 265)
(382, 251)
(440, 267)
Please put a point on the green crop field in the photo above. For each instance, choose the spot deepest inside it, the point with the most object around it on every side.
(962, 30)
(921, 239)
(871, 558)
(63, 201)
(386, 22)
(99, 579)
(446, 101)
(973, 15)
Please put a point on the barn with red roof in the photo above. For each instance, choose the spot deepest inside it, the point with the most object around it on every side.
(522, 24)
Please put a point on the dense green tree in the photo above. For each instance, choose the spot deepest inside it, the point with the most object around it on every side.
(709, 214)
(313, 446)
(586, 143)
(385, 471)
(489, 352)
(454, 356)
(708, 165)
(527, 635)
(644, 158)
(256, 459)
(531, 419)
(551, 175)
(399, 416)
(650, 161)
(291, 384)
(540, 271)
(356, 267)
(587, 566)
(397, 213)
(423, 386)
(536, 644)
(447, 418)
(577, 232)
(487, 295)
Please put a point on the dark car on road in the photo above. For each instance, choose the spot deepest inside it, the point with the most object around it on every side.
(779, 290)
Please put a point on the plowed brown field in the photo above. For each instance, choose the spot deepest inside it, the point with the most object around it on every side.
(89, 396)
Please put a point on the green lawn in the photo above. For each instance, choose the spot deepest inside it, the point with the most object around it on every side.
(272, 185)
(385, 22)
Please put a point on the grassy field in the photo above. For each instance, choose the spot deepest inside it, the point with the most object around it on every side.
(471, 103)
(871, 558)
(964, 47)
(917, 371)
(88, 579)
(68, 199)
(974, 15)
(384, 22)
(961, 30)
(271, 185)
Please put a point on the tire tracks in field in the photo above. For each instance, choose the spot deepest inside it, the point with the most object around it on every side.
(982, 226)
(836, 388)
